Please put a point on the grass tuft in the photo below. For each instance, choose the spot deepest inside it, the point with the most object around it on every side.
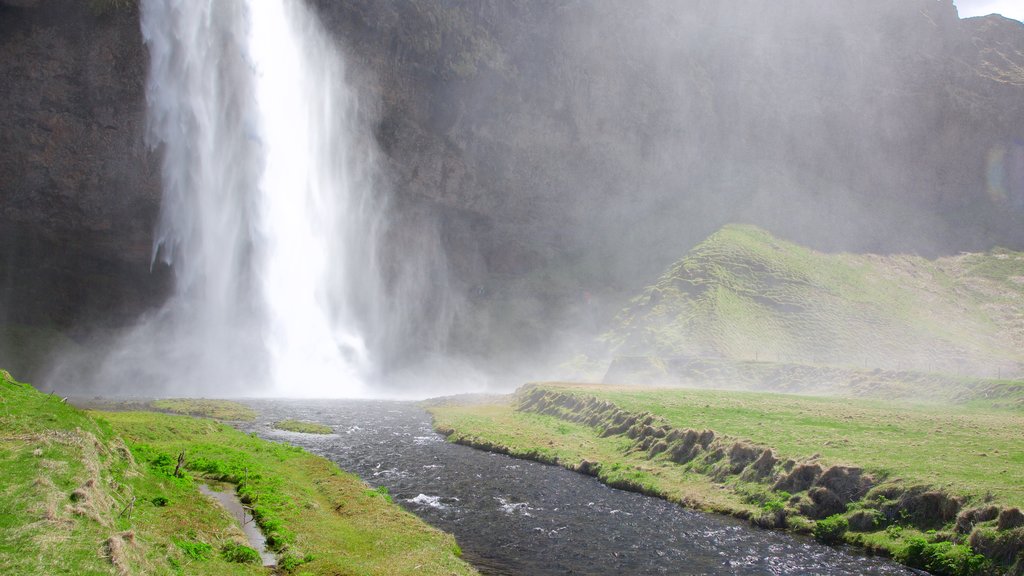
(304, 427)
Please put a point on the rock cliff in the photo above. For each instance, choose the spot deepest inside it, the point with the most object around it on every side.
(564, 148)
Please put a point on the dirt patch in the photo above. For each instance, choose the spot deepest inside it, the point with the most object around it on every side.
(1009, 519)
(823, 503)
(966, 520)
(761, 468)
(922, 506)
(799, 479)
(742, 455)
(846, 482)
(1004, 546)
(117, 552)
(865, 520)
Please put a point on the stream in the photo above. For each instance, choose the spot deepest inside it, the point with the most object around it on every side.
(518, 517)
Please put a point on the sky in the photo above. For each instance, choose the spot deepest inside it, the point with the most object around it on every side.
(1009, 8)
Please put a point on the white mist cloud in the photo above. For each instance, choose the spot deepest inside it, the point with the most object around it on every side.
(1008, 8)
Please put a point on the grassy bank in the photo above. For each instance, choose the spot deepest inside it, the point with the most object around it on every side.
(216, 409)
(932, 487)
(103, 493)
(303, 426)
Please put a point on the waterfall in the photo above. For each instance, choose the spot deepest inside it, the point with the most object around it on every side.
(269, 218)
(294, 275)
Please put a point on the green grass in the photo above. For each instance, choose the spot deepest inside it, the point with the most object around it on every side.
(303, 426)
(745, 295)
(216, 409)
(967, 453)
(70, 477)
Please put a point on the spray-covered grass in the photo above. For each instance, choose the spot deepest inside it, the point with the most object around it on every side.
(103, 493)
(925, 464)
(216, 409)
(303, 426)
(743, 294)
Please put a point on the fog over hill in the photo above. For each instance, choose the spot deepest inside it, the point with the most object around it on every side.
(563, 152)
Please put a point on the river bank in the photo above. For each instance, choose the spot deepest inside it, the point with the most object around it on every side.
(118, 493)
(936, 489)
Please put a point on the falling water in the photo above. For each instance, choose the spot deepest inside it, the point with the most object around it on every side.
(269, 218)
(289, 280)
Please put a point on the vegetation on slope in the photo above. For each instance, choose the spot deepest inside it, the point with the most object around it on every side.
(743, 294)
(932, 487)
(103, 493)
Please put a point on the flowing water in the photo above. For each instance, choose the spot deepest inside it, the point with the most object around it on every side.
(518, 517)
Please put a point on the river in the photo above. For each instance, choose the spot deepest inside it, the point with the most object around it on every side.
(517, 517)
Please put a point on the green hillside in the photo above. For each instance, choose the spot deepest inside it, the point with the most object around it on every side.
(745, 295)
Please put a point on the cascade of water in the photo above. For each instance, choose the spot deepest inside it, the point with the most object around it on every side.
(268, 218)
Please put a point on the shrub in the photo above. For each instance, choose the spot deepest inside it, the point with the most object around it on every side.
(160, 501)
(380, 491)
(289, 562)
(194, 550)
(942, 558)
(239, 554)
(832, 529)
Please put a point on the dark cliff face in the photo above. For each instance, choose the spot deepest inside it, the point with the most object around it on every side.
(563, 147)
(78, 189)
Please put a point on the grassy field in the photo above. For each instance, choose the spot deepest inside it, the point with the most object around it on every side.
(743, 294)
(924, 465)
(98, 493)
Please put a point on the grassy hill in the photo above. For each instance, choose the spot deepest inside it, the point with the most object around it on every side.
(745, 295)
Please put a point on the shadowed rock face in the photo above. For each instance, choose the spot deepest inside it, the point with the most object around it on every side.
(562, 146)
(79, 190)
